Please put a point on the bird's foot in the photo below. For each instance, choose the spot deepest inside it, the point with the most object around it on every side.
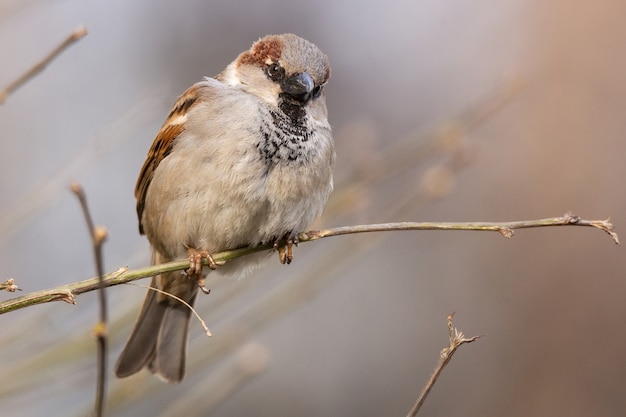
(195, 261)
(285, 252)
(195, 266)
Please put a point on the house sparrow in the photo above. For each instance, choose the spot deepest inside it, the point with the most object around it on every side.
(243, 159)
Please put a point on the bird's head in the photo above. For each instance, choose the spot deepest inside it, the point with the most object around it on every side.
(285, 71)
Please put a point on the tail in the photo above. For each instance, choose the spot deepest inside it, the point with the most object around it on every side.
(159, 339)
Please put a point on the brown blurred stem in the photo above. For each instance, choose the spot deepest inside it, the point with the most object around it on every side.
(75, 36)
(98, 236)
(456, 340)
(69, 292)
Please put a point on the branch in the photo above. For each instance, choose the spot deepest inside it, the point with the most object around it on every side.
(75, 36)
(9, 285)
(505, 228)
(98, 235)
(69, 292)
(456, 340)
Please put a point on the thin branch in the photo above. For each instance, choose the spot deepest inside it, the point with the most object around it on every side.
(456, 340)
(75, 36)
(69, 292)
(504, 228)
(98, 236)
(9, 286)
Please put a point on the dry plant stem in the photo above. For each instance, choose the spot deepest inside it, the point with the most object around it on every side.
(75, 36)
(9, 285)
(505, 228)
(98, 236)
(456, 340)
(69, 292)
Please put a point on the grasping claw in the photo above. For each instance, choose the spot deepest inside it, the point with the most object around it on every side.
(195, 266)
(195, 262)
(285, 253)
(202, 286)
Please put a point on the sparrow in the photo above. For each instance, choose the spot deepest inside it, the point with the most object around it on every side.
(244, 158)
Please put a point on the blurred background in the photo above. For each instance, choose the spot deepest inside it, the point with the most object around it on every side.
(442, 111)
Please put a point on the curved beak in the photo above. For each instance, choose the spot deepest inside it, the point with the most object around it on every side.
(298, 85)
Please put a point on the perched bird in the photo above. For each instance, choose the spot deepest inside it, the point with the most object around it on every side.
(244, 158)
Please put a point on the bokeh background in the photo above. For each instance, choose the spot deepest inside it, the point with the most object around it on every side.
(442, 111)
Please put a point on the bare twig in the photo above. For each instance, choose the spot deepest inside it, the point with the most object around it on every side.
(75, 36)
(98, 236)
(9, 286)
(123, 275)
(504, 228)
(456, 340)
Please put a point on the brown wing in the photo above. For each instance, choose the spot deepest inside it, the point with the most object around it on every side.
(163, 144)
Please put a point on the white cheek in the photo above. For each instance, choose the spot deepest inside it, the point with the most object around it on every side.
(230, 76)
(269, 96)
(267, 93)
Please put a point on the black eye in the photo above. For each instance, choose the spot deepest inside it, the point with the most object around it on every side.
(275, 72)
(317, 91)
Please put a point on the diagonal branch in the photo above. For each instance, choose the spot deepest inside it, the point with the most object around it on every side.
(76, 35)
(9, 285)
(69, 292)
(456, 340)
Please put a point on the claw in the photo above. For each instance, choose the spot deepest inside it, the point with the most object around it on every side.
(202, 286)
(195, 262)
(195, 267)
(285, 253)
(282, 255)
(289, 251)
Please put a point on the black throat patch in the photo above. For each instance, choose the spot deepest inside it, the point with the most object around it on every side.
(285, 135)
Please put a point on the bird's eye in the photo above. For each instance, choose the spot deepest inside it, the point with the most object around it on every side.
(317, 91)
(275, 72)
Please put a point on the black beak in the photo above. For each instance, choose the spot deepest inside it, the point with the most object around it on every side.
(298, 86)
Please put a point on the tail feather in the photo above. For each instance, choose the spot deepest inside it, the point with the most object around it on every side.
(171, 344)
(159, 338)
(140, 348)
